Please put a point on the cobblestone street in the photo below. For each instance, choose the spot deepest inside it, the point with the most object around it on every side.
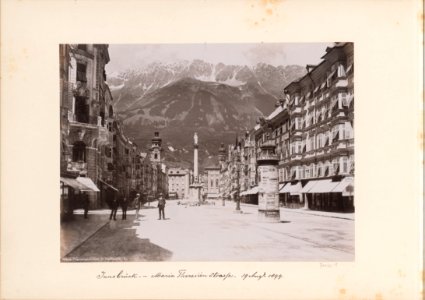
(216, 233)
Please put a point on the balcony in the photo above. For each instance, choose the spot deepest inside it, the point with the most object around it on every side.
(77, 166)
(296, 156)
(341, 83)
(297, 133)
(344, 144)
(296, 110)
(80, 90)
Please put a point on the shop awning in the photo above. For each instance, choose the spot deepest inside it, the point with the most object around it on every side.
(309, 186)
(295, 188)
(345, 186)
(73, 183)
(324, 186)
(281, 187)
(90, 186)
(285, 188)
(291, 188)
(108, 185)
(252, 191)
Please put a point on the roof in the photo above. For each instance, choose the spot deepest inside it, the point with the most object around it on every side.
(211, 162)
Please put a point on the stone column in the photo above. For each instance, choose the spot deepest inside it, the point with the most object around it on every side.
(195, 158)
(268, 194)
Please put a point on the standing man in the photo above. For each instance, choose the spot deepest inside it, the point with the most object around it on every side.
(136, 204)
(86, 204)
(124, 206)
(114, 208)
(161, 206)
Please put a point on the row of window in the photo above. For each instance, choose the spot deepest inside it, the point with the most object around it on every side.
(337, 70)
(321, 114)
(341, 165)
(212, 181)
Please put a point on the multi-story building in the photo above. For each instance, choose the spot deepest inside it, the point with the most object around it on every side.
(321, 136)
(313, 132)
(312, 128)
(86, 109)
(211, 179)
(178, 183)
(98, 162)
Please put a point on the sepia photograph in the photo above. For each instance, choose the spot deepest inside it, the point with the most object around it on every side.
(211, 149)
(207, 152)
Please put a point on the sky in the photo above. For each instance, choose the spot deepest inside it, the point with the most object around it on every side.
(124, 57)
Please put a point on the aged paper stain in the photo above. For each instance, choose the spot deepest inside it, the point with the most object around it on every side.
(263, 11)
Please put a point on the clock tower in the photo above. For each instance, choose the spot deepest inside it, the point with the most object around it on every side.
(156, 148)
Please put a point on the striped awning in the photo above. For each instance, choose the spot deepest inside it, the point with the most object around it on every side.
(252, 191)
(90, 186)
(324, 186)
(108, 185)
(73, 183)
(345, 186)
(291, 188)
(309, 186)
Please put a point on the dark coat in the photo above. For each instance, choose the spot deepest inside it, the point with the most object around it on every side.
(124, 202)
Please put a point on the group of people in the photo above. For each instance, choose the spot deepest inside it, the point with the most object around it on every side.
(123, 202)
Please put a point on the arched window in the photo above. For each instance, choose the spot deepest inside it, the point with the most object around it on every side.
(111, 111)
(79, 151)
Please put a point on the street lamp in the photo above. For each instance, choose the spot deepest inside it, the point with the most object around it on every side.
(238, 199)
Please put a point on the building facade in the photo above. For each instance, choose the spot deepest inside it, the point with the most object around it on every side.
(98, 162)
(312, 128)
(86, 110)
(212, 178)
(178, 183)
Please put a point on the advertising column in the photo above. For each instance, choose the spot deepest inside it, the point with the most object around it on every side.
(268, 185)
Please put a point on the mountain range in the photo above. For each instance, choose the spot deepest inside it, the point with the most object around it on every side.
(217, 101)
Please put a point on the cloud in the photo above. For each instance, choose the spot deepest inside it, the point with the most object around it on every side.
(267, 53)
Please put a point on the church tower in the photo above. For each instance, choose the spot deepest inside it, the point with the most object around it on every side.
(222, 153)
(156, 148)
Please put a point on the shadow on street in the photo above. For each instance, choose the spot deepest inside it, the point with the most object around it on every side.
(117, 241)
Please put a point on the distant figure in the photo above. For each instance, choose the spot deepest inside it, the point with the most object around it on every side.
(124, 206)
(161, 207)
(86, 204)
(136, 204)
(114, 208)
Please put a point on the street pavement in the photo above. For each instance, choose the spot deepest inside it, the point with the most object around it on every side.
(217, 233)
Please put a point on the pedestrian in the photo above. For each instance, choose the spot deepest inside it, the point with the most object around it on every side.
(86, 205)
(161, 207)
(124, 205)
(136, 204)
(114, 208)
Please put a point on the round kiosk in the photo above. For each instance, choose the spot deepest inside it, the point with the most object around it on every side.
(268, 184)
